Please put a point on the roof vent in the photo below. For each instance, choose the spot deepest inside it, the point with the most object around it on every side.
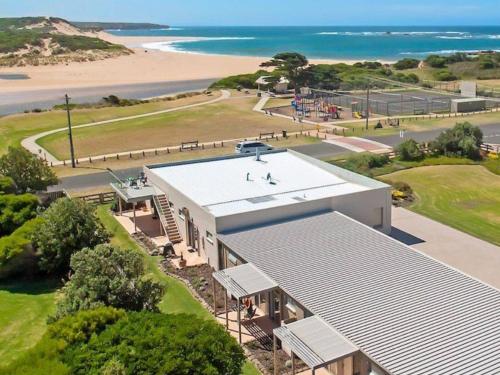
(257, 154)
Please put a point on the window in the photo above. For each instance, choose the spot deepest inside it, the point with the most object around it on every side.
(181, 214)
(210, 237)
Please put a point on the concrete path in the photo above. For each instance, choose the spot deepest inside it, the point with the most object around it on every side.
(31, 145)
(475, 257)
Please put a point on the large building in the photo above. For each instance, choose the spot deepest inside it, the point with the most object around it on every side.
(210, 196)
(307, 243)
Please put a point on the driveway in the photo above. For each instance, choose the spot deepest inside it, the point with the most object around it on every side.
(473, 256)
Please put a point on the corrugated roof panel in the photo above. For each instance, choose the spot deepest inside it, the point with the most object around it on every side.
(408, 312)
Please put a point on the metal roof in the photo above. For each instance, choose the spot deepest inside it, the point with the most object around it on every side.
(314, 341)
(408, 312)
(244, 280)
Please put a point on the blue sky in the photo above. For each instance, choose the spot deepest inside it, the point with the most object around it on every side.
(265, 12)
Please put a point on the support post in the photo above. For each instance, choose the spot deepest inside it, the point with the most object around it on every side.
(214, 294)
(367, 104)
(293, 363)
(275, 355)
(225, 310)
(239, 320)
(70, 133)
(135, 222)
(120, 205)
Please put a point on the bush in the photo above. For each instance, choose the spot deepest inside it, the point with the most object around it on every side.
(161, 344)
(243, 80)
(7, 185)
(110, 341)
(409, 150)
(464, 140)
(436, 61)
(16, 253)
(365, 161)
(15, 210)
(68, 226)
(108, 276)
(487, 63)
(444, 75)
(406, 64)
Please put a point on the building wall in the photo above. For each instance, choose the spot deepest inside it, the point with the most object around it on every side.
(203, 220)
(371, 207)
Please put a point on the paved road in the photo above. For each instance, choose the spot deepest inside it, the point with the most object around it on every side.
(47, 98)
(491, 135)
(319, 150)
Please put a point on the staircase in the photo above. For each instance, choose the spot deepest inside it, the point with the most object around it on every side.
(167, 218)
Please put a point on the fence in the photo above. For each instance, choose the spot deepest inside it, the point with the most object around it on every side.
(101, 198)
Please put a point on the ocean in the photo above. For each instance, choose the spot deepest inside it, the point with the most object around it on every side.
(328, 42)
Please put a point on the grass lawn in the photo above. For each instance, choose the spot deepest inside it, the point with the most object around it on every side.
(230, 119)
(465, 197)
(14, 128)
(138, 160)
(177, 299)
(24, 308)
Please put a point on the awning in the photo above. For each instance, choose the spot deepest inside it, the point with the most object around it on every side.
(244, 280)
(314, 342)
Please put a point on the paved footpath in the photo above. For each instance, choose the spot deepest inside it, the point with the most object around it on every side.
(31, 145)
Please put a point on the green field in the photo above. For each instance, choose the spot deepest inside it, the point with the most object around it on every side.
(24, 306)
(229, 119)
(14, 128)
(465, 197)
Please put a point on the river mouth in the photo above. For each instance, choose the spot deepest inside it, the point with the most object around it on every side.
(13, 76)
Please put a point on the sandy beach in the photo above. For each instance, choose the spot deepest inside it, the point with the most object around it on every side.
(144, 66)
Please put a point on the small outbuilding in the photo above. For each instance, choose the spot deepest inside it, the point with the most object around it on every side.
(279, 87)
(468, 105)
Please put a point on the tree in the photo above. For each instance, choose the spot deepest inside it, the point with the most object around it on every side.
(28, 172)
(108, 276)
(68, 226)
(322, 76)
(464, 139)
(409, 150)
(161, 344)
(289, 64)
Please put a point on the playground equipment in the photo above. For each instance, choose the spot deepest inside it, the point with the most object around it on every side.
(321, 108)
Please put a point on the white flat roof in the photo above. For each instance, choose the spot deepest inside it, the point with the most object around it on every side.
(221, 185)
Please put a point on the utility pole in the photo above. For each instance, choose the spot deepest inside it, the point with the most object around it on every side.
(367, 104)
(70, 134)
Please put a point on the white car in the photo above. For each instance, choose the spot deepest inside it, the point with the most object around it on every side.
(249, 147)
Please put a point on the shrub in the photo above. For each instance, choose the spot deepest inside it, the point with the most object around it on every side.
(487, 64)
(108, 276)
(161, 344)
(365, 161)
(464, 139)
(7, 185)
(15, 210)
(436, 61)
(409, 150)
(16, 253)
(243, 80)
(68, 226)
(406, 64)
(444, 75)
